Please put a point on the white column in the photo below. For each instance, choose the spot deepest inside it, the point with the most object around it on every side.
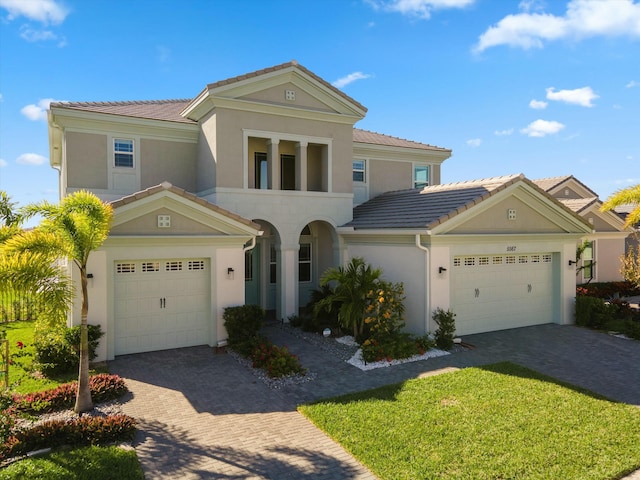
(273, 162)
(301, 166)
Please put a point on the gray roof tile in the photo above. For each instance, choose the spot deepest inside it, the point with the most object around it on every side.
(427, 207)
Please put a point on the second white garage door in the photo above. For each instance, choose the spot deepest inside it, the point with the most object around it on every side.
(496, 292)
(161, 304)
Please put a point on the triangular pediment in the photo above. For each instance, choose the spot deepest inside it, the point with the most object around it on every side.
(285, 89)
(166, 211)
(520, 209)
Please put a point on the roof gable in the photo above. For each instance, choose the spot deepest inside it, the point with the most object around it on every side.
(589, 209)
(567, 186)
(137, 215)
(266, 89)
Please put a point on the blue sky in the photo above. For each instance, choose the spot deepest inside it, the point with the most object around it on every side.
(541, 88)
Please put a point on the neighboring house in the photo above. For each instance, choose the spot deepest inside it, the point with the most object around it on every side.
(600, 260)
(246, 193)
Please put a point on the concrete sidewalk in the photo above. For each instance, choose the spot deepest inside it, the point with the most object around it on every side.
(203, 415)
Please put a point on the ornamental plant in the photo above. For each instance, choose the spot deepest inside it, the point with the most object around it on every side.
(275, 361)
(446, 328)
(384, 321)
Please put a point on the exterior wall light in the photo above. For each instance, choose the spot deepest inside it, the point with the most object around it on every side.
(572, 262)
(230, 273)
(441, 269)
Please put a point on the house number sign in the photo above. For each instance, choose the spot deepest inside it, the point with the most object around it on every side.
(511, 248)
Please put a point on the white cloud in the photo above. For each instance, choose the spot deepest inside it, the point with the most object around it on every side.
(542, 128)
(43, 11)
(352, 77)
(39, 111)
(583, 18)
(578, 96)
(31, 159)
(503, 133)
(538, 104)
(632, 84)
(418, 8)
(3, 163)
(474, 142)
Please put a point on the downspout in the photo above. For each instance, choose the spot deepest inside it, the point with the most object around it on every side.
(427, 284)
(252, 245)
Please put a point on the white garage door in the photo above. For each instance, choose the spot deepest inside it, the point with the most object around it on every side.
(161, 304)
(495, 292)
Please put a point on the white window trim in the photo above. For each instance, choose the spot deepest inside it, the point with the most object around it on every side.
(413, 173)
(112, 169)
(277, 137)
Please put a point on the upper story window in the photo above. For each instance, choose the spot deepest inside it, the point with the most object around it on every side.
(122, 153)
(359, 171)
(420, 176)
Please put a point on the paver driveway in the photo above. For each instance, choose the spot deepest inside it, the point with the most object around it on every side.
(203, 415)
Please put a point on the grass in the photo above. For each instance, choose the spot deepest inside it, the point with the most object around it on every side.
(88, 463)
(21, 370)
(500, 421)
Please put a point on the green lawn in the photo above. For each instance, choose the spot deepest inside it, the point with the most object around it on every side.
(88, 463)
(21, 372)
(499, 421)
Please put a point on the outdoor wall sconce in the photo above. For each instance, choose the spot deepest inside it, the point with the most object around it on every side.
(572, 262)
(89, 275)
(230, 272)
(441, 269)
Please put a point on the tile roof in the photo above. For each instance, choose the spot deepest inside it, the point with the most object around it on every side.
(550, 183)
(166, 186)
(578, 204)
(283, 66)
(427, 207)
(365, 136)
(168, 110)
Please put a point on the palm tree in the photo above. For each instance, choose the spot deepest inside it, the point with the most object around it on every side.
(353, 284)
(72, 229)
(625, 196)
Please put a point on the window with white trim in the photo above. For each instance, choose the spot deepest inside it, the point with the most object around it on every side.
(420, 176)
(359, 171)
(273, 266)
(261, 170)
(122, 153)
(125, 268)
(588, 262)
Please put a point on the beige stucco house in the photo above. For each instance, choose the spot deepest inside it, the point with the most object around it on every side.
(600, 260)
(246, 193)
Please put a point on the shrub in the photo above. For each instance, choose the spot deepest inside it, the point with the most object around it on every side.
(104, 387)
(86, 430)
(593, 312)
(7, 421)
(607, 290)
(243, 323)
(276, 361)
(325, 315)
(396, 345)
(632, 328)
(446, 328)
(424, 344)
(59, 352)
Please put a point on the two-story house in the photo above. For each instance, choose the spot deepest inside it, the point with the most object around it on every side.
(246, 193)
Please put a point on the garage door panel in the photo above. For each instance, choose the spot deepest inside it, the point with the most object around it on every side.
(161, 304)
(504, 292)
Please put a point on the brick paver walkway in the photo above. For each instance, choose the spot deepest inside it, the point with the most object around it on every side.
(203, 415)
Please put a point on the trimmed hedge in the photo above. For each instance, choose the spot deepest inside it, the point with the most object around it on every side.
(104, 387)
(86, 430)
(243, 324)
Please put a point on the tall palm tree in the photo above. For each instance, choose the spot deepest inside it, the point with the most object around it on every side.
(72, 229)
(625, 196)
(353, 284)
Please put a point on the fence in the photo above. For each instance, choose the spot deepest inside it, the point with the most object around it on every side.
(16, 305)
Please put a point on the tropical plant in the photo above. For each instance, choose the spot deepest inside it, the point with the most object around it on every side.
(353, 284)
(446, 328)
(8, 213)
(625, 196)
(630, 266)
(72, 229)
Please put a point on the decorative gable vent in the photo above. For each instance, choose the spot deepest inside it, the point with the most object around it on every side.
(511, 214)
(290, 95)
(164, 221)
